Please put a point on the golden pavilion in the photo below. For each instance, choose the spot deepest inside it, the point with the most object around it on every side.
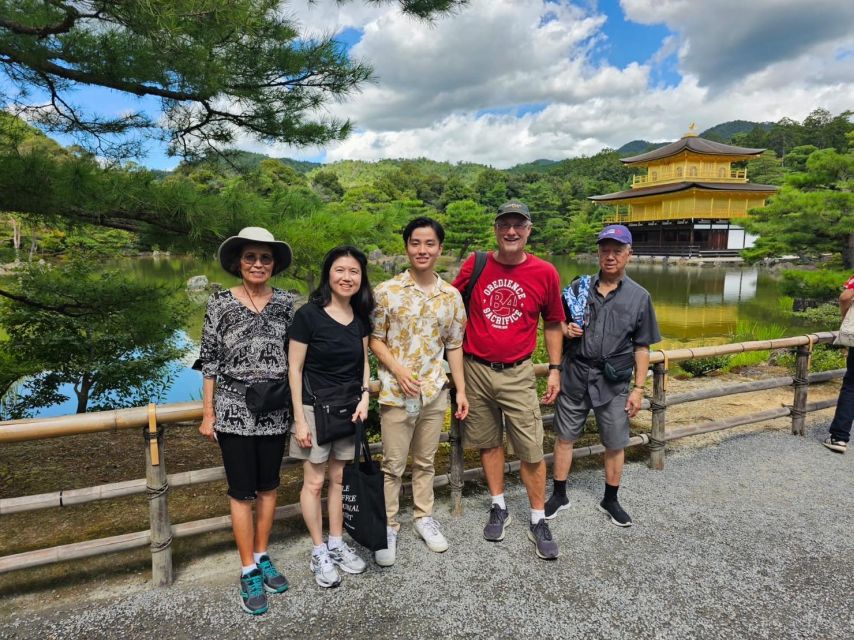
(691, 199)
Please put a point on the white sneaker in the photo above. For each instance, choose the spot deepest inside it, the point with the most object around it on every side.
(428, 529)
(385, 557)
(346, 558)
(325, 573)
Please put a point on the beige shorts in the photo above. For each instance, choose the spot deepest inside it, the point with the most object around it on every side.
(343, 449)
(511, 392)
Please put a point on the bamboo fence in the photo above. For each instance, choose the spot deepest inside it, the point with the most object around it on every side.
(152, 420)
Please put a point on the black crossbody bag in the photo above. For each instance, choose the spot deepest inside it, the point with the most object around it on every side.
(333, 410)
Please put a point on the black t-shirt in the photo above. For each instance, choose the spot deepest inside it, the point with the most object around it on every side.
(334, 356)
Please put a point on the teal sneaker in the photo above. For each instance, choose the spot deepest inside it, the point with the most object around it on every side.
(252, 597)
(274, 582)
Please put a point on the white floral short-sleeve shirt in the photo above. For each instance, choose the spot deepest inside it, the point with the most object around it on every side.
(417, 328)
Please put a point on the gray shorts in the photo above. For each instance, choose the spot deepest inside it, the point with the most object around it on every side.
(343, 449)
(611, 418)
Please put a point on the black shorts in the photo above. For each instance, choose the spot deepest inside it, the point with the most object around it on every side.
(252, 463)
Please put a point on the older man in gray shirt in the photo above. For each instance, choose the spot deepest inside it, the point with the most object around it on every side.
(602, 359)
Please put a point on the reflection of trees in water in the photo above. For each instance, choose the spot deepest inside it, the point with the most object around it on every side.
(100, 336)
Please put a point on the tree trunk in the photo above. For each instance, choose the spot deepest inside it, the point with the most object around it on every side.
(82, 393)
(16, 235)
(848, 252)
(463, 251)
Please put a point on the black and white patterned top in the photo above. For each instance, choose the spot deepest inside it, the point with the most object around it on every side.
(249, 347)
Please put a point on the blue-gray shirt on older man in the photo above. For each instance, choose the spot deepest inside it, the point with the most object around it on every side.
(615, 325)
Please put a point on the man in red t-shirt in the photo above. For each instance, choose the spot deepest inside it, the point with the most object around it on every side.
(513, 291)
(840, 428)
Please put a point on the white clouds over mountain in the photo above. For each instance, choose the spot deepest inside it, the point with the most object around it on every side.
(508, 81)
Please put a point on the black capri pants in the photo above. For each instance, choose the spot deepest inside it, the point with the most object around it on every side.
(252, 463)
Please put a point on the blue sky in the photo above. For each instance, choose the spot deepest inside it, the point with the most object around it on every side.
(508, 81)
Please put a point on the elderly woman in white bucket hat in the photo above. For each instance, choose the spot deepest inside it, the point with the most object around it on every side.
(244, 362)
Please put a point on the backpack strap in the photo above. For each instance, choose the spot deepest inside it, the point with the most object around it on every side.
(480, 258)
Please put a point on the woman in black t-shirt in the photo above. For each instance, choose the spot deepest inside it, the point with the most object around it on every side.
(328, 347)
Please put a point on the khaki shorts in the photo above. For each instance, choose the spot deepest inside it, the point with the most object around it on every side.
(511, 392)
(343, 449)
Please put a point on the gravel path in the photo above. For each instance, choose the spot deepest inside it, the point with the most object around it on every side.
(752, 538)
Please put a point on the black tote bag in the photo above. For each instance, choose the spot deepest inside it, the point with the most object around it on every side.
(364, 501)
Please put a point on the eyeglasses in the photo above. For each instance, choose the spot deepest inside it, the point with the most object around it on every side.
(506, 226)
(251, 258)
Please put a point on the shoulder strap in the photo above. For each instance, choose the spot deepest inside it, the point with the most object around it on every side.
(480, 258)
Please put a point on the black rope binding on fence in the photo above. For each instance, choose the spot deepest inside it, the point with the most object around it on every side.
(161, 546)
(655, 406)
(655, 444)
(148, 436)
(800, 382)
(155, 492)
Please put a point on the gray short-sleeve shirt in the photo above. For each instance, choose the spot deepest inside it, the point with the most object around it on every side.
(617, 323)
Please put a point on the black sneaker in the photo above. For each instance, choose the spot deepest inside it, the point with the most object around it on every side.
(840, 446)
(541, 536)
(618, 516)
(555, 504)
(498, 519)
(252, 597)
(274, 582)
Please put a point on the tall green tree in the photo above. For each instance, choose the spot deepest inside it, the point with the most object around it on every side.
(468, 225)
(111, 338)
(217, 69)
(813, 213)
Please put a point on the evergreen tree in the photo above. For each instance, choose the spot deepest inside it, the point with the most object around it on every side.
(468, 225)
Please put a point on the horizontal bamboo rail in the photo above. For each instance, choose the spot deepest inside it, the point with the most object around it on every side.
(157, 483)
(139, 539)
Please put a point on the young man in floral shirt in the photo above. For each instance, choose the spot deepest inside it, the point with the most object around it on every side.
(417, 321)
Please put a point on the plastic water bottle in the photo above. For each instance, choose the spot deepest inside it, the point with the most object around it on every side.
(412, 405)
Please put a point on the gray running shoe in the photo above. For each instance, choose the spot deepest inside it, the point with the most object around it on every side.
(499, 519)
(252, 597)
(541, 536)
(346, 559)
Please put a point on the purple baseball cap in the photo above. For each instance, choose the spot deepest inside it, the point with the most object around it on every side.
(617, 232)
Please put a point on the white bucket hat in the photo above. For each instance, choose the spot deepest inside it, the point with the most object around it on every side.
(229, 250)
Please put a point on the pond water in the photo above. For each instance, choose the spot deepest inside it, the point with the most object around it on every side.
(694, 305)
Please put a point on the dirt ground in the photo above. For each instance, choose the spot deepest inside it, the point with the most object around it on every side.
(81, 461)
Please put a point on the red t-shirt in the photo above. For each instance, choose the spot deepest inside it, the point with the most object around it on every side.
(505, 307)
(850, 283)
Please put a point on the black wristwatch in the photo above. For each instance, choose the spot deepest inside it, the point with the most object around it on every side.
(555, 367)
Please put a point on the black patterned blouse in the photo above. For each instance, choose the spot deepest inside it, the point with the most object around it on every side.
(249, 347)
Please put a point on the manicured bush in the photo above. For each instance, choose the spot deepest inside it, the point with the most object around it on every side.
(702, 366)
(823, 285)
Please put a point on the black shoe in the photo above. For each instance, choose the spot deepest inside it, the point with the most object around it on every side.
(618, 516)
(555, 504)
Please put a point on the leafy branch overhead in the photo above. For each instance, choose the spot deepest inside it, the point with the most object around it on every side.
(217, 69)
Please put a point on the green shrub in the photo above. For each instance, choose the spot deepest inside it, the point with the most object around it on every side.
(823, 285)
(825, 357)
(702, 366)
(825, 316)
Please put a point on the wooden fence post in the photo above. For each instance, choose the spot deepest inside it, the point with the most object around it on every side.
(455, 475)
(157, 488)
(801, 383)
(658, 405)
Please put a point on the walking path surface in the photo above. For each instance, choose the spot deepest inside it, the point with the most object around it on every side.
(750, 538)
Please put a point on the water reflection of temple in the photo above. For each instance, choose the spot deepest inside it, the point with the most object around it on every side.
(696, 302)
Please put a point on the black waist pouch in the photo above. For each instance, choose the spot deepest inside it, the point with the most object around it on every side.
(333, 411)
(267, 396)
(618, 368)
